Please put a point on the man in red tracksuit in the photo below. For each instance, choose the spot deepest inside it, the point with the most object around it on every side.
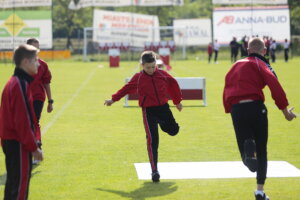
(153, 86)
(244, 99)
(18, 124)
(39, 86)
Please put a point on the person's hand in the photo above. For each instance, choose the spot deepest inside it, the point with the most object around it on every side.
(288, 114)
(38, 154)
(108, 102)
(49, 107)
(179, 107)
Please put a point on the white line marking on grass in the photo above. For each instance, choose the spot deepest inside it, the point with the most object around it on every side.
(213, 170)
(66, 105)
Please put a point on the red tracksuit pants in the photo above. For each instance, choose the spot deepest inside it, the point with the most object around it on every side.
(152, 117)
(18, 166)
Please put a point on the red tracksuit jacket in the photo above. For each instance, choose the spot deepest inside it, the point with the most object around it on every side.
(153, 89)
(42, 77)
(17, 118)
(246, 80)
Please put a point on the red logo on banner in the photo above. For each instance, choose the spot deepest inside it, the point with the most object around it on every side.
(226, 20)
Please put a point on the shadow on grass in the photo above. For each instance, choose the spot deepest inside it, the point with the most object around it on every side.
(3, 176)
(147, 190)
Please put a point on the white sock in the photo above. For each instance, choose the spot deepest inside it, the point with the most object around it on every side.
(260, 192)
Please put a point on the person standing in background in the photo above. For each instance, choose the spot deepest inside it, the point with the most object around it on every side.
(286, 47)
(216, 47)
(209, 51)
(40, 86)
(273, 51)
(234, 46)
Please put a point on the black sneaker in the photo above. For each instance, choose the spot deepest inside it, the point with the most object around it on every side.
(155, 176)
(259, 197)
(250, 159)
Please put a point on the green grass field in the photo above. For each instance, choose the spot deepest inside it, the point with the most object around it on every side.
(90, 149)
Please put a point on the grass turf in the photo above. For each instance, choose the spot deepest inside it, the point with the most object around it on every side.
(90, 149)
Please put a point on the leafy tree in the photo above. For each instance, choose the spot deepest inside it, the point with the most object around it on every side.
(66, 21)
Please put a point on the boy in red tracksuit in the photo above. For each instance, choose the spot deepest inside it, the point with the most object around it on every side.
(39, 86)
(18, 124)
(153, 86)
(243, 97)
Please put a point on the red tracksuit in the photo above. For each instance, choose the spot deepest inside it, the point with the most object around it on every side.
(42, 77)
(246, 80)
(153, 91)
(243, 98)
(17, 132)
(38, 92)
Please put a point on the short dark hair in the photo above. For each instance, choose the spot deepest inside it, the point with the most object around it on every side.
(24, 51)
(32, 40)
(148, 57)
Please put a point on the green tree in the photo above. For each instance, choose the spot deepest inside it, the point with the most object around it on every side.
(66, 21)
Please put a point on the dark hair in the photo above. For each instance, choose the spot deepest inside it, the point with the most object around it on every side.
(32, 40)
(148, 57)
(24, 51)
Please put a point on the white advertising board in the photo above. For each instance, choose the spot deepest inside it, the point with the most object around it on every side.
(192, 32)
(249, 1)
(272, 21)
(16, 27)
(135, 29)
(24, 3)
(117, 3)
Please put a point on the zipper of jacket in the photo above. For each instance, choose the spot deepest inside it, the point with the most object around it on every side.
(143, 101)
(155, 90)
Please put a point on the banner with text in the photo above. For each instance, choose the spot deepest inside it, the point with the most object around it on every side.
(118, 3)
(135, 29)
(272, 21)
(249, 1)
(24, 3)
(192, 32)
(16, 27)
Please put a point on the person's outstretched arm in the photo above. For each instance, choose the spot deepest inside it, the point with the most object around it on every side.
(130, 87)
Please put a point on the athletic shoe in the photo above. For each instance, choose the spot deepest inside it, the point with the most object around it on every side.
(259, 197)
(250, 159)
(155, 176)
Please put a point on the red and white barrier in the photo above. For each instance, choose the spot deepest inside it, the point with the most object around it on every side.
(192, 88)
(114, 57)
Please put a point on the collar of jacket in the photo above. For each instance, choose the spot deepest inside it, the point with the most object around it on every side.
(260, 57)
(22, 74)
(265, 60)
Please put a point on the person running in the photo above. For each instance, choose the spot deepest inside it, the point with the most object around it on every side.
(40, 86)
(153, 86)
(243, 97)
(18, 124)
